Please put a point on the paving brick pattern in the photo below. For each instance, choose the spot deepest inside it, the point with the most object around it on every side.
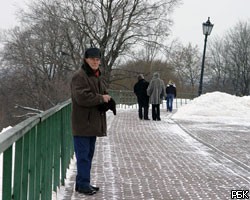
(154, 160)
(231, 139)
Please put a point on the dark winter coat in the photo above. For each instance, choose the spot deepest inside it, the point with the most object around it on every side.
(140, 90)
(171, 89)
(86, 94)
(156, 89)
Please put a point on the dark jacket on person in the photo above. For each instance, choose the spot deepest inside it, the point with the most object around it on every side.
(171, 89)
(86, 93)
(140, 90)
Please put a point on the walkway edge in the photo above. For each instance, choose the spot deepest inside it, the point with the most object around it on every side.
(237, 162)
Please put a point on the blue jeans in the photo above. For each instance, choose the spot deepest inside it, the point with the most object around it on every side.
(84, 151)
(170, 99)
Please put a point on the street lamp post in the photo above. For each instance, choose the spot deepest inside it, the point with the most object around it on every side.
(207, 28)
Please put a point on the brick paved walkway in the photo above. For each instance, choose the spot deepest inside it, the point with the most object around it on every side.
(154, 160)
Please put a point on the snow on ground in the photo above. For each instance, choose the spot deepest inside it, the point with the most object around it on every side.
(216, 107)
(5, 129)
(210, 107)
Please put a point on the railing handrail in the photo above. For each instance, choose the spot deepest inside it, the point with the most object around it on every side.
(43, 149)
(53, 110)
(10, 136)
(36, 154)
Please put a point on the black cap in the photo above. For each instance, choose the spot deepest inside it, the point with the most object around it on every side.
(92, 52)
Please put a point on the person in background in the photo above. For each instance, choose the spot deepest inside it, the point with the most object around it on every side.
(140, 90)
(171, 94)
(88, 92)
(156, 92)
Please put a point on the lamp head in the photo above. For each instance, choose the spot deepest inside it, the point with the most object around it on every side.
(207, 27)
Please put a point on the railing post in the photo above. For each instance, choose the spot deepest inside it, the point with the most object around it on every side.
(25, 166)
(32, 163)
(7, 173)
(18, 169)
(57, 136)
(38, 161)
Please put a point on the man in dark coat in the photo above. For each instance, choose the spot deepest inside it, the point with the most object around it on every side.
(140, 90)
(171, 94)
(88, 92)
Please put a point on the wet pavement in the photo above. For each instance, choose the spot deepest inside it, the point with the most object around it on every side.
(154, 160)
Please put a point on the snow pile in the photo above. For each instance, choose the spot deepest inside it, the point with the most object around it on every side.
(216, 106)
(5, 129)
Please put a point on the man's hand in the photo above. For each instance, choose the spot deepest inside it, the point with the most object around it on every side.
(106, 98)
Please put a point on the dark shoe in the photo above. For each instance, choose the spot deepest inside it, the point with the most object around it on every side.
(147, 119)
(158, 119)
(87, 191)
(95, 188)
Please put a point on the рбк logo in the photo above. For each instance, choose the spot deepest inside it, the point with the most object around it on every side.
(239, 194)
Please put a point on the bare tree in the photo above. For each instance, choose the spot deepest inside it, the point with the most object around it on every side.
(217, 63)
(49, 44)
(113, 25)
(35, 59)
(231, 60)
(186, 62)
(238, 45)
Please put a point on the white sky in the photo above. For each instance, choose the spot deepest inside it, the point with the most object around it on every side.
(188, 17)
(224, 14)
(8, 11)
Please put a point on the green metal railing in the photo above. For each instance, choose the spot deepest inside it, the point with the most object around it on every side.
(128, 97)
(37, 152)
(36, 155)
(123, 96)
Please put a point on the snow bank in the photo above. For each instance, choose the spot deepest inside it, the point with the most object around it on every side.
(216, 106)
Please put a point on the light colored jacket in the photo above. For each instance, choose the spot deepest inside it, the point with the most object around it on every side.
(156, 89)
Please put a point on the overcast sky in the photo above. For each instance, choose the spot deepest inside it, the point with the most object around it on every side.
(8, 9)
(188, 17)
(224, 14)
